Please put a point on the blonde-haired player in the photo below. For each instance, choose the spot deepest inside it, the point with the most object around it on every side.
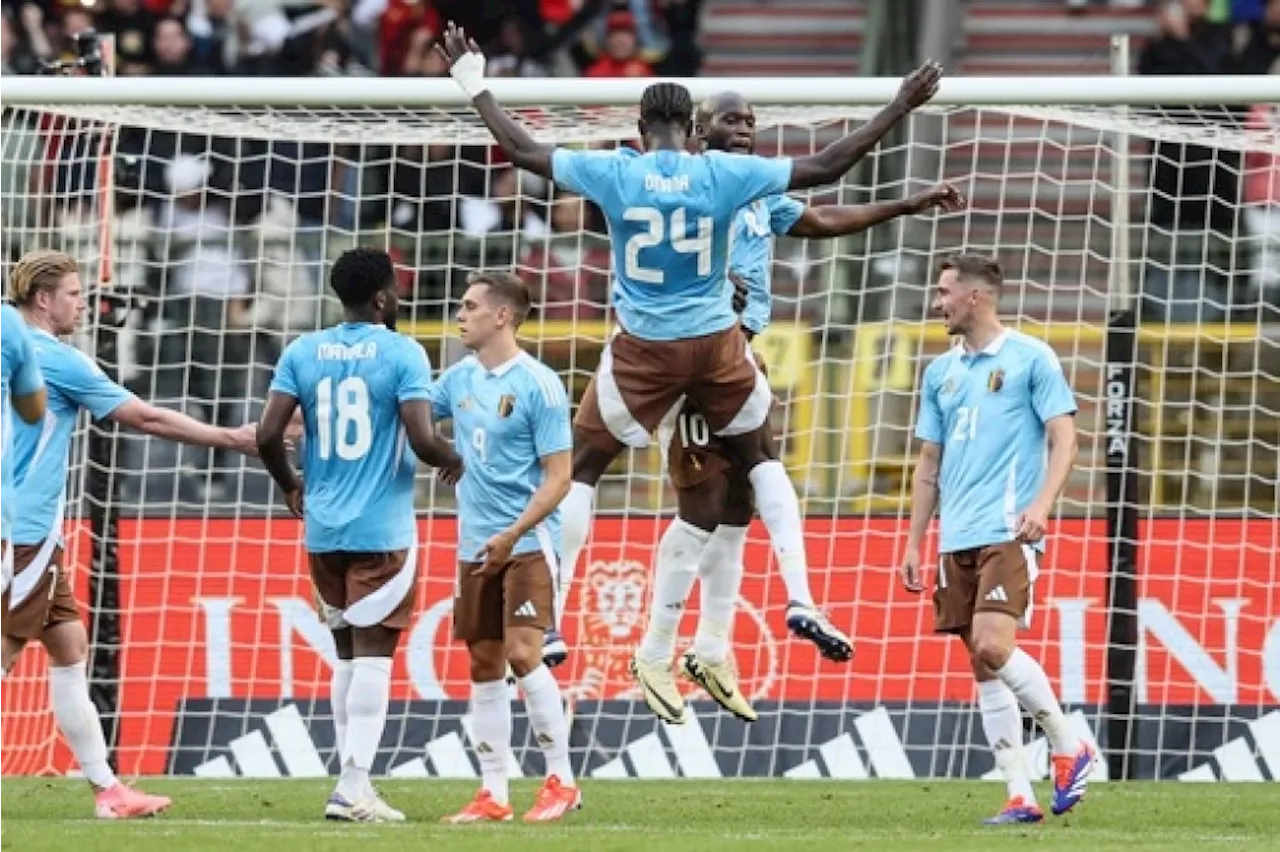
(39, 604)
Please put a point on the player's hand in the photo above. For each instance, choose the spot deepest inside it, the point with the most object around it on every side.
(912, 578)
(944, 196)
(1032, 524)
(455, 45)
(293, 499)
(244, 439)
(739, 292)
(919, 86)
(495, 554)
(452, 474)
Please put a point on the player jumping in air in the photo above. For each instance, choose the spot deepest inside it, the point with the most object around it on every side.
(989, 410)
(670, 214)
(363, 390)
(713, 493)
(39, 603)
(511, 424)
(21, 390)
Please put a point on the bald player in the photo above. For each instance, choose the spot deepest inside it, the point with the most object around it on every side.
(713, 491)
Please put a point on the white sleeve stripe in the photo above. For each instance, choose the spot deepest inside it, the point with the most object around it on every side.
(553, 393)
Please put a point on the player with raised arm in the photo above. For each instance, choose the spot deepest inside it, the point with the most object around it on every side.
(21, 390)
(998, 432)
(39, 604)
(713, 493)
(670, 215)
(364, 391)
(510, 418)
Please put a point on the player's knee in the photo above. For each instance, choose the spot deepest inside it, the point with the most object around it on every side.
(344, 643)
(67, 643)
(989, 651)
(523, 650)
(488, 662)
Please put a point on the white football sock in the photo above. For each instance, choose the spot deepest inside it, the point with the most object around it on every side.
(339, 687)
(720, 575)
(1024, 676)
(576, 511)
(779, 509)
(367, 697)
(678, 554)
(80, 724)
(546, 717)
(491, 727)
(1002, 723)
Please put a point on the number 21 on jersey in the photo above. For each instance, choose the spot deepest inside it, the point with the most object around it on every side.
(343, 414)
(966, 428)
(656, 231)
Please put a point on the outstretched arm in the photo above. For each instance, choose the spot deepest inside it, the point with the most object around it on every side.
(277, 419)
(840, 220)
(176, 426)
(466, 64)
(831, 163)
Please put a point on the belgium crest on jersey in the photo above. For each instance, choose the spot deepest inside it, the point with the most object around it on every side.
(506, 405)
(995, 381)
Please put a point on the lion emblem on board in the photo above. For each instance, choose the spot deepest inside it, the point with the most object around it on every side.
(613, 604)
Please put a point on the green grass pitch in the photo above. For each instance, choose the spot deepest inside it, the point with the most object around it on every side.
(700, 816)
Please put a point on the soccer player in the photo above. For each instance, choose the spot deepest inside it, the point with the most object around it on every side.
(997, 422)
(363, 390)
(670, 215)
(39, 603)
(511, 423)
(713, 493)
(21, 390)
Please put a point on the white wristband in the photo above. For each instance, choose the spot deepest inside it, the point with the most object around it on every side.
(468, 71)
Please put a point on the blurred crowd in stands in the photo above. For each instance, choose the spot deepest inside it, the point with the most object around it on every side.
(522, 38)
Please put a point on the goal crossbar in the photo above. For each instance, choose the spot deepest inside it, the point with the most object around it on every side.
(354, 93)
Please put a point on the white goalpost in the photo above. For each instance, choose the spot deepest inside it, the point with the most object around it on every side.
(1125, 210)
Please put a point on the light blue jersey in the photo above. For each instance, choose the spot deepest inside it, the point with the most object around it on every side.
(20, 376)
(41, 452)
(987, 410)
(671, 217)
(505, 421)
(752, 255)
(357, 466)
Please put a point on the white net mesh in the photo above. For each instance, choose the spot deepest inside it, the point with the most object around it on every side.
(221, 223)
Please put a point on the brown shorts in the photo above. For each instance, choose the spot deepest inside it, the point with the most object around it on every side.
(695, 454)
(364, 589)
(639, 381)
(523, 594)
(995, 578)
(50, 602)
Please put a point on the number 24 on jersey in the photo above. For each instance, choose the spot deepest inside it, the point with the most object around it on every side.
(656, 232)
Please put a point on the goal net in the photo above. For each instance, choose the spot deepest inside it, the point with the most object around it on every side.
(217, 224)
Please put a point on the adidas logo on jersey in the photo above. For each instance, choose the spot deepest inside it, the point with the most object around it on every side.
(997, 594)
(526, 610)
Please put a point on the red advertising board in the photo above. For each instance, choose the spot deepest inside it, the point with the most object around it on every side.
(220, 608)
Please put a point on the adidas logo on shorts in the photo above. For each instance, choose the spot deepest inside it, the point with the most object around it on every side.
(526, 610)
(997, 594)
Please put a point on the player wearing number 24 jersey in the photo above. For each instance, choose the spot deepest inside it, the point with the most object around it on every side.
(365, 395)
